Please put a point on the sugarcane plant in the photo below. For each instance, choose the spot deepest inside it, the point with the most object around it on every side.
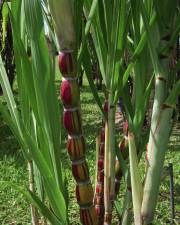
(139, 38)
(99, 184)
(106, 44)
(131, 41)
(33, 120)
(166, 94)
(70, 96)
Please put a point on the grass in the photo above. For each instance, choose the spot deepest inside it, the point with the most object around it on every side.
(14, 210)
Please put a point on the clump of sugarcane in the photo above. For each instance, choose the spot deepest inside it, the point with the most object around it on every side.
(76, 144)
(99, 191)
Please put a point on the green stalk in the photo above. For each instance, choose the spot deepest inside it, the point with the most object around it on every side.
(127, 214)
(157, 146)
(127, 210)
(63, 22)
(135, 180)
(107, 204)
(34, 215)
(109, 164)
(161, 114)
(111, 124)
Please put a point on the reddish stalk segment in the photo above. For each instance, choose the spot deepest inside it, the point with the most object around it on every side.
(99, 194)
(69, 93)
(76, 144)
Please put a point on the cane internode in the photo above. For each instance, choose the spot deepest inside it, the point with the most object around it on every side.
(76, 147)
(69, 92)
(99, 195)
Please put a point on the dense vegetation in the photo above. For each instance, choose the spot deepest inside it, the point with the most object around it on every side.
(15, 209)
(132, 48)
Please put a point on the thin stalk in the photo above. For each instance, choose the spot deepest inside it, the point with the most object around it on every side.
(127, 213)
(97, 157)
(111, 124)
(127, 205)
(170, 168)
(34, 214)
(107, 178)
(99, 196)
(135, 180)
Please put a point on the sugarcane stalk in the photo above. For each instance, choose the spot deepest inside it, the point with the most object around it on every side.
(99, 195)
(127, 212)
(107, 178)
(127, 204)
(34, 214)
(98, 140)
(76, 143)
(109, 168)
(136, 184)
(62, 15)
(119, 175)
(157, 144)
(126, 219)
(111, 122)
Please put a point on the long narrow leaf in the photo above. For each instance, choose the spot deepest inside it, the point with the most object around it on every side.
(32, 198)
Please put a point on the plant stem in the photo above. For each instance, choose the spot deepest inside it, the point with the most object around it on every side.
(135, 180)
(111, 123)
(34, 214)
(98, 140)
(158, 145)
(107, 176)
(99, 197)
(70, 96)
(158, 140)
(127, 214)
(156, 149)
(109, 180)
